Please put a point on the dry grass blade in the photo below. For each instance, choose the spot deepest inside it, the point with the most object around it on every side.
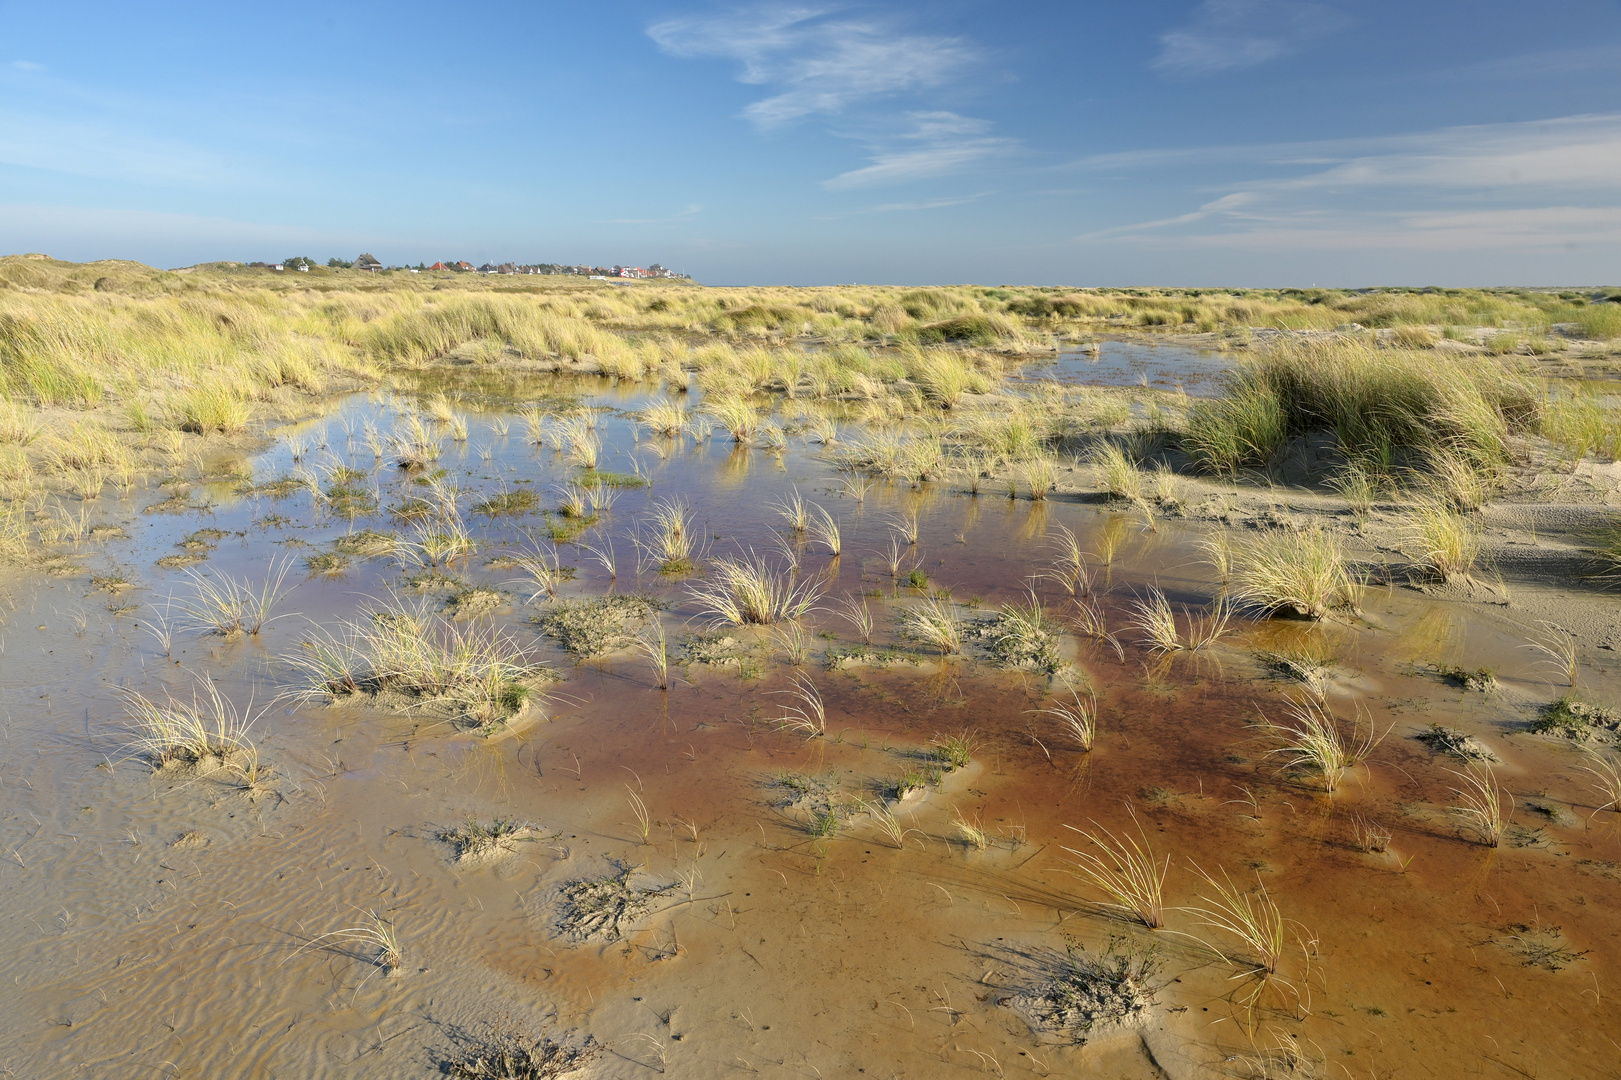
(856, 612)
(905, 526)
(1481, 802)
(740, 592)
(1156, 622)
(1561, 649)
(375, 940)
(1369, 835)
(669, 541)
(1607, 781)
(1207, 629)
(1311, 740)
(1448, 543)
(232, 608)
(810, 715)
(1251, 917)
(1069, 567)
(795, 511)
(971, 832)
(1077, 718)
(825, 529)
(934, 623)
(655, 646)
(886, 821)
(638, 810)
(1091, 622)
(1126, 870)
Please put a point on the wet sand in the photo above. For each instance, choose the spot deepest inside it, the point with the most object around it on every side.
(163, 924)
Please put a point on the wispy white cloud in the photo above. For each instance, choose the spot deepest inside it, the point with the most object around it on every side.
(1545, 184)
(1534, 229)
(1225, 35)
(821, 65)
(90, 148)
(908, 207)
(1564, 152)
(936, 143)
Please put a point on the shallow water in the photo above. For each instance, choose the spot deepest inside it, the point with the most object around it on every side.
(129, 951)
(1137, 363)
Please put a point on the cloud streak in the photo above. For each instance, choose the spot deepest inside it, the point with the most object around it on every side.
(822, 66)
(1536, 185)
(1226, 35)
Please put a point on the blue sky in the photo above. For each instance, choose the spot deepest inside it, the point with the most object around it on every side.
(1245, 142)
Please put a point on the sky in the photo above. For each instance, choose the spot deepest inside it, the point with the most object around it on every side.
(1062, 142)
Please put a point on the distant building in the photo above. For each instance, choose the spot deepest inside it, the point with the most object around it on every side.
(463, 265)
(368, 262)
(438, 266)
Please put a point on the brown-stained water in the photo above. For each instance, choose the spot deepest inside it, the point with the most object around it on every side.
(165, 924)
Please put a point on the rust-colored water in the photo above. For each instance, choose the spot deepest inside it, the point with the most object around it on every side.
(778, 952)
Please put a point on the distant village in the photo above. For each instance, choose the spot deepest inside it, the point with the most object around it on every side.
(371, 263)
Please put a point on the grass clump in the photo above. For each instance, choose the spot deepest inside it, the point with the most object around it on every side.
(521, 501)
(1079, 995)
(1448, 543)
(1021, 636)
(1311, 741)
(206, 734)
(592, 627)
(1380, 404)
(475, 840)
(1571, 718)
(741, 592)
(933, 623)
(473, 674)
(1126, 870)
(510, 1053)
(1299, 571)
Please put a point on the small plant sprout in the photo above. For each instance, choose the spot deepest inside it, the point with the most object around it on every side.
(1156, 622)
(231, 608)
(905, 526)
(1606, 781)
(809, 716)
(1311, 740)
(794, 511)
(376, 940)
(1559, 646)
(886, 821)
(1126, 870)
(972, 833)
(655, 646)
(1069, 567)
(824, 528)
(638, 810)
(933, 622)
(1077, 718)
(954, 751)
(1204, 630)
(1369, 835)
(1480, 803)
(855, 611)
